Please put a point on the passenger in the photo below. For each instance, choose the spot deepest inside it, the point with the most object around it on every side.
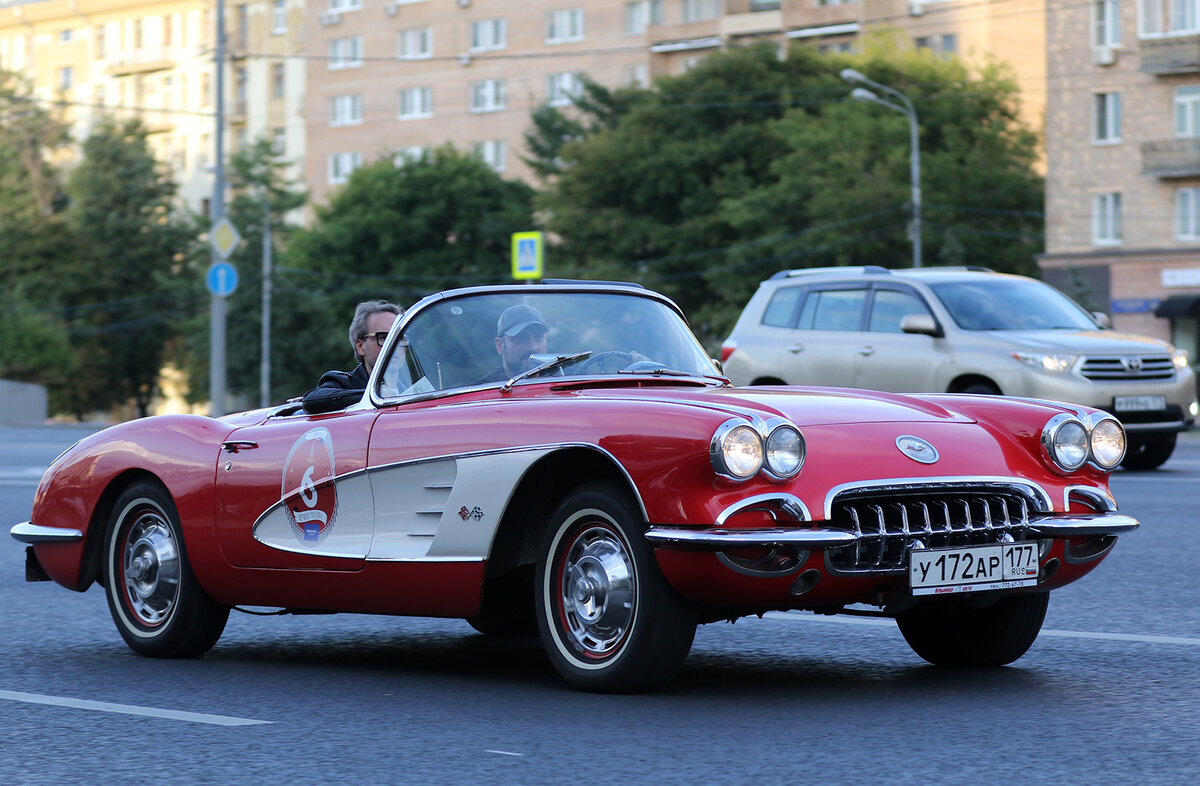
(339, 389)
(520, 333)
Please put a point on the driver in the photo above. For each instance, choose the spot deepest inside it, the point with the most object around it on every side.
(520, 333)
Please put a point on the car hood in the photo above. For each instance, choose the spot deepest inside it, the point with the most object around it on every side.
(802, 406)
(1086, 342)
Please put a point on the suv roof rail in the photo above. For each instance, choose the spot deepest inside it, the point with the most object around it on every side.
(861, 270)
(949, 268)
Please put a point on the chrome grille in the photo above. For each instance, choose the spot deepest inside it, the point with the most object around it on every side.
(1128, 367)
(889, 525)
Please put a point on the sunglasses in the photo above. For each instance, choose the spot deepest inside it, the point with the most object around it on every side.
(379, 337)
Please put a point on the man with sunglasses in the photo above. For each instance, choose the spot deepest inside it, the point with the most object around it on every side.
(339, 389)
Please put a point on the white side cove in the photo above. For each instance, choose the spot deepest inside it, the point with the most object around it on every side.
(438, 510)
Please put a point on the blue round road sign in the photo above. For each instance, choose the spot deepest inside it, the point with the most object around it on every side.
(222, 279)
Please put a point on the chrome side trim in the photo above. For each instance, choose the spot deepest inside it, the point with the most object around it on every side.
(1090, 495)
(1066, 526)
(721, 539)
(788, 503)
(27, 532)
(1166, 425)
(949, 482)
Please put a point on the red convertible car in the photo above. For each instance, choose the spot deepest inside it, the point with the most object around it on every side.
(604, 486)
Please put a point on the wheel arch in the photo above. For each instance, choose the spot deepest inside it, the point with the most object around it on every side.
(101, 520)
(768, 381)
(964, 381)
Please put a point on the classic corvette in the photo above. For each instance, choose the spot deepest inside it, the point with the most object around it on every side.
(610, 493)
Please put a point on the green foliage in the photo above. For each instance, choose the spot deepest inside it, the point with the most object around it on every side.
(29, 133)
(748, 164)
(595, 109)
(124, 292)
(33, 345)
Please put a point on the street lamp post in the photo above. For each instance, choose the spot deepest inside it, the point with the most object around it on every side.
(904, 107)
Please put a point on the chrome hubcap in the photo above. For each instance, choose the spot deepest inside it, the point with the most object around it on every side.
(598, 592)
(150, 568)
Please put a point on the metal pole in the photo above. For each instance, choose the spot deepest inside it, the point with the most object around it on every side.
(265, 370)
(216, 369)
(915, 163)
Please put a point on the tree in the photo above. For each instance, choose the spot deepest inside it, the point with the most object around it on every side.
(748, 164)
(593, 110)
(126, 293)
(29, 134)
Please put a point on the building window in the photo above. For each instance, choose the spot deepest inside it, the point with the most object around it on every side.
(1106, 23)
(489, 34)
(1106, 219)
(699, 10)
(66, 77)
(345, 110)
(945, 44)
(642, 14)
(138, 40)
(240, 87)
(341, 165)
(167, 32)
(101, 39)
(637, 76)
(414, 44)
(561, 88)
(1187, 111)
(1167, 17)
(487, 96)
(205, 89)
(564, 26)
(493, 153)
(409, 154)
(1106, 118)
(279, 17)
(416, 102)
(338, 6)
(836, 48)
(278, 80)
(1187, 214)
(66, 36)
(279, 140)
(345, 53)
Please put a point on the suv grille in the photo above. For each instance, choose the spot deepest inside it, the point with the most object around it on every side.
(1128, 367)
(888, 525)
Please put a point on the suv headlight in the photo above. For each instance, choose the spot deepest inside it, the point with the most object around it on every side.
(736, 450)
(1180, 358)
(1057, 364)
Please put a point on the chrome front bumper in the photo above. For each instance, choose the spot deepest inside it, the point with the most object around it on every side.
(27, 532)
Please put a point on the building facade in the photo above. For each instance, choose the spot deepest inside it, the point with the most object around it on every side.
(1123, 161)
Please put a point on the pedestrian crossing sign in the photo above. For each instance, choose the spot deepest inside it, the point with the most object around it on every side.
(526, 255)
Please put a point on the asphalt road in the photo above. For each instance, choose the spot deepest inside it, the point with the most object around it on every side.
(1110, 693)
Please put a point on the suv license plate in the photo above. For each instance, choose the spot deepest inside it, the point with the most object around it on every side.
(973, 569)
(1139, 403)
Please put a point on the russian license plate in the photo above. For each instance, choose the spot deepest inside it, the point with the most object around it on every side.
(973, 569)
(1139, 403)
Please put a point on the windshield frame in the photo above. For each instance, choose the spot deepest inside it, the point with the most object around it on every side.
(397, 335)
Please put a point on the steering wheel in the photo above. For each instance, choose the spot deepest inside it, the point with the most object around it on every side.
(594, 363)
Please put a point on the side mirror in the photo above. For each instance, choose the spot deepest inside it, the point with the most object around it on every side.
(720, 368)
(1102, 319)
(924, 324)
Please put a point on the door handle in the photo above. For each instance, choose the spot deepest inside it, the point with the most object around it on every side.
(238, 444)
(866, 351)
(795, 348)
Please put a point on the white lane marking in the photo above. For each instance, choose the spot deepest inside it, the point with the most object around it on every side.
(504, 753)
(1063, 634)
(128, 709)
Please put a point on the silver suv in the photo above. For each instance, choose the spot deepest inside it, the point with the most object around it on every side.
(960, 330)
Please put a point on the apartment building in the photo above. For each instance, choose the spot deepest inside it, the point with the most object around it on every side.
(396, 77)
(154, 59)
(1123, 152)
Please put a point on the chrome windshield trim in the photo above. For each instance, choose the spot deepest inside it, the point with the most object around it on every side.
(1090, 495)
(27, 532)
(1066, 526)
(721, 539)
(788, 503)
(1043, 502)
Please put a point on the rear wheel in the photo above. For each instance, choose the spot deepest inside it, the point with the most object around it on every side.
(958, 634)
(1149, 454)
(158, 606)
(982, 389)
(607, 617)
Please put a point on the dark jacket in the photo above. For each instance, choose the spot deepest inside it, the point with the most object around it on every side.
(336, 390)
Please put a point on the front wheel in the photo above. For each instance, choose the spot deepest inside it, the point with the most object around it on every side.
(1149, 454)
(959, 634)
(159, 607)
(607, 617)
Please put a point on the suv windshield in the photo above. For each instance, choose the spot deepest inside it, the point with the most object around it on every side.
(1011, 304)
(453, 343)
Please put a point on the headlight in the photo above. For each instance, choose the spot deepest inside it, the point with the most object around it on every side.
(785, 452)
(1180, 358)
(1108, 443)
(1067, 442)
(1057, 364)
(736, 450)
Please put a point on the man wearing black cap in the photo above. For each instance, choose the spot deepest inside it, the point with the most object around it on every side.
(519, 334)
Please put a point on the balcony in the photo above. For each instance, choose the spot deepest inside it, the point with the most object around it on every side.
(141, 61)
(1170, 55)
(1170, 158)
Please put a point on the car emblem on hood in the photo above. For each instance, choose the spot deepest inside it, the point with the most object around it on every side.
(917, 449)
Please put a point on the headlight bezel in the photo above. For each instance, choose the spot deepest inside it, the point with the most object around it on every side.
(778, 427)
(1049, 362)
(721, 441)
(1095, 425)
(722, 449)
(1057, 432)
(1052, 439)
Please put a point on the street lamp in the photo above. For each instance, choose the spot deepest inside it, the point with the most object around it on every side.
(905, 107)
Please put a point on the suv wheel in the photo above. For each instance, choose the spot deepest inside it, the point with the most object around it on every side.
(1148, 453)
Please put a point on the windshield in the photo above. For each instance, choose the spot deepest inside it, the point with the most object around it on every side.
(490, 338)
(1010, 304)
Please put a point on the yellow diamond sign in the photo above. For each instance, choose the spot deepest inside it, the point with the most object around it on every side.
(225, 238)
